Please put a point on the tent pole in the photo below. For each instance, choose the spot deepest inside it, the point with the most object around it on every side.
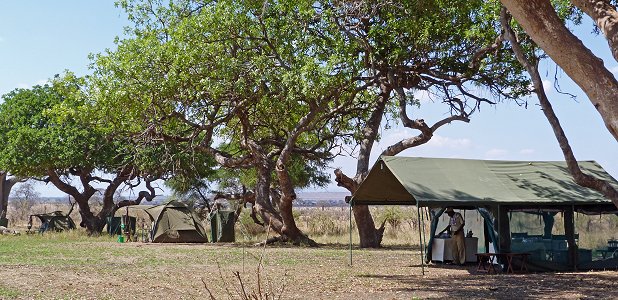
(350, 231)
(426, 210)
(420, 237)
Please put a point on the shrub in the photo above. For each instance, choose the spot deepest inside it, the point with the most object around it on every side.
(247, 225)
(325, 224)
(393, 216)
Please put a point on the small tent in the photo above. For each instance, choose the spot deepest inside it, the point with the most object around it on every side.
(54, 221)
(222, 226)
(175, 222)
(496, 189)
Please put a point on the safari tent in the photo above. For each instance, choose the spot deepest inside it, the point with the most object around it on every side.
(172, 222)
(497, 189)
(54, 221)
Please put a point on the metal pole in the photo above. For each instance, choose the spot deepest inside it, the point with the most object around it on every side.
(420, 237)
(350, 218)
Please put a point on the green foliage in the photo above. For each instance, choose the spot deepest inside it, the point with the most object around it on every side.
(247, 226)
(42, 128)
(393, 216)
(243, 78)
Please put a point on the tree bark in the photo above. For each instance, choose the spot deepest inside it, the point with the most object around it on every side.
(370, 236)
(89, 221)
(263, 206)
(604, 14)
(4, 193)
(579, 177)
(542, 24)
(288, 195)
(6, 184)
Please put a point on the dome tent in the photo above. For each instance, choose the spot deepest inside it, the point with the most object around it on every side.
(175, 222)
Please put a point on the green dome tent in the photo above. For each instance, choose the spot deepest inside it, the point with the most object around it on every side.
(175, 222)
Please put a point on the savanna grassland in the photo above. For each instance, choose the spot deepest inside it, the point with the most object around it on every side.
(72, 265)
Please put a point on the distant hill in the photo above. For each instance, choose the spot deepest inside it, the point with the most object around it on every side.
(311, 199)
(305, 199)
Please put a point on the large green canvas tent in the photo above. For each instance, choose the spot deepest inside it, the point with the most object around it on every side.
(497, 187)
(439, 182)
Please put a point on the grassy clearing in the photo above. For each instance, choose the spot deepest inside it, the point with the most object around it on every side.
(7, 293)
(74, 266)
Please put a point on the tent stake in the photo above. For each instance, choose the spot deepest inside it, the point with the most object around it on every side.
(420, 237)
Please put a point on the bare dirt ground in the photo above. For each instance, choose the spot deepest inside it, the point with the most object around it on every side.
(109, 270)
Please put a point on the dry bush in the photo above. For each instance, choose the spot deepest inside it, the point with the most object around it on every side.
(325, 222)
(247, 226)
(261, 289)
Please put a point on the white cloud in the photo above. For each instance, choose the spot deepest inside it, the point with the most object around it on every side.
(548, 86)
(423, 96)
(29, 85)
(447, 142)
(397, 134)
(496, 153)
(614, 70)
(526, 151)
(394, 135)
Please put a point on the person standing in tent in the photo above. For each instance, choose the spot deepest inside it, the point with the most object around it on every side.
(456, 228)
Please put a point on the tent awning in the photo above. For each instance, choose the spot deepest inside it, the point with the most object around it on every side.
(467, 182)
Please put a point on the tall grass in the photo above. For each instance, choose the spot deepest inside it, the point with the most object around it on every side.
(331, 225)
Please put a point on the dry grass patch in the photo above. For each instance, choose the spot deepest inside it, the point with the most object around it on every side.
(74, 267)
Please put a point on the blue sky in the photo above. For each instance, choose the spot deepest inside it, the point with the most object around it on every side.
(41, 38)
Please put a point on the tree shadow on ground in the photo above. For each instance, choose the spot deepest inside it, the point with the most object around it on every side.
(503, 286)
(406, 247)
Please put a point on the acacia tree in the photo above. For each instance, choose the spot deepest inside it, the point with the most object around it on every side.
(265, 78)
(531, 61)
(285, 78)
(46, 137)
(446, 48)
(541, 22)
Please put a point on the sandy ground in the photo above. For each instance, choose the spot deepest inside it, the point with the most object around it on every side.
(151, 271)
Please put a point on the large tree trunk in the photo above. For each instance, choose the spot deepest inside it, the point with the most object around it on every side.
(92, 223)
(288, 195)
(604, 14)
(370, 236)
(542, 24)
(6, 184)
(263, 206)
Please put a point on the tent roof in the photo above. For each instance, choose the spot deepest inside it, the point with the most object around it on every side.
(133, 210)
(155, 211)
(468, 182)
